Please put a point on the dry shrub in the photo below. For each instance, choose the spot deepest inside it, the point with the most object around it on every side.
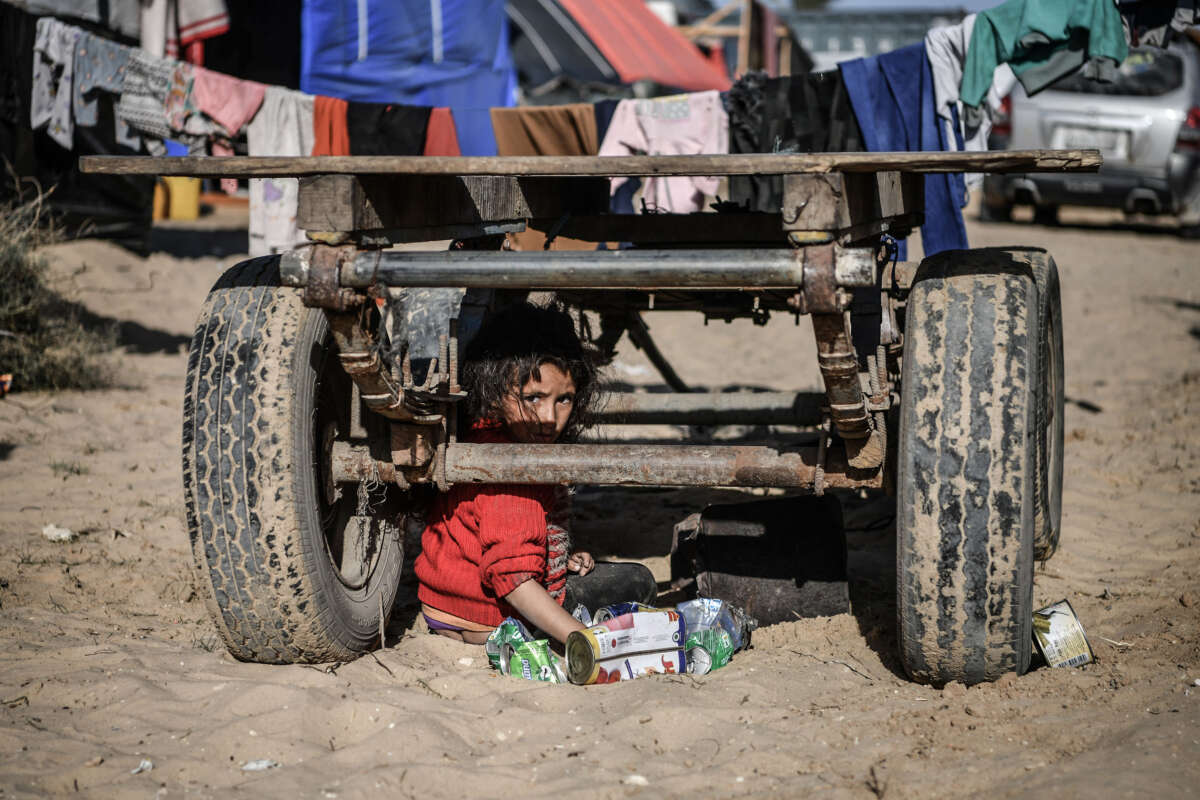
(43, 342)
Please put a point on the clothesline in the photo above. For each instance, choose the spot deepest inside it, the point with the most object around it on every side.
(936, 95)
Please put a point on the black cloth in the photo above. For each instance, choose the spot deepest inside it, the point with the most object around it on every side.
(799, 114)
(262, 43)
(111, 206)
(610, 583)
(386, 129)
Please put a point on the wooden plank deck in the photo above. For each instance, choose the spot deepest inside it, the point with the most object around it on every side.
(602, 166)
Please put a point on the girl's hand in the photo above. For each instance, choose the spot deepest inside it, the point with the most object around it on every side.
(581, 562)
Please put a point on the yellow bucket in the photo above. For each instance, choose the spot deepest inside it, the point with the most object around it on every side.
(183, 197)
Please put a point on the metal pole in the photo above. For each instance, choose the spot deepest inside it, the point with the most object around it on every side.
(648, 465)
(713, 408)
(566, 269)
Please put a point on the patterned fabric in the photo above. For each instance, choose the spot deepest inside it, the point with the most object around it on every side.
(558, 543)
(143, 103)
(282, 127)
(99, 66)
(53, 65)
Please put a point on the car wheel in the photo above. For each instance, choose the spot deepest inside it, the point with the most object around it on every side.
(1045, 215)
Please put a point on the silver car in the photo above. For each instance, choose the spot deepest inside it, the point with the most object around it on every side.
(1146, 123)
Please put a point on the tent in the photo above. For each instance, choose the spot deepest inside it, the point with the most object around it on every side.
(420, 52)
(616, 42)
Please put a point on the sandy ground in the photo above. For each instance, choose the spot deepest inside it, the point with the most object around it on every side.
(108, 657)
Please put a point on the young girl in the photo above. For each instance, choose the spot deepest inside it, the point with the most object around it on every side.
(497, 550)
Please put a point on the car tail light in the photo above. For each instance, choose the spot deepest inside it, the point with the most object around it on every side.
(1189, 132)
(1002, 123)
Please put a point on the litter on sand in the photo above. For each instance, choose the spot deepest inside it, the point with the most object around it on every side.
(145, 766)
(1059, 636)
(627, 641)
(56, 534)
(259, 765)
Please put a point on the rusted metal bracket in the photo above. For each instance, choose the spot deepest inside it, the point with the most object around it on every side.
(819, 292)
(322, 266)
(865, 446)
(360, 357)
(851, 207)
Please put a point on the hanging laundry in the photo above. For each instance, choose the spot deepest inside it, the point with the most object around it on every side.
(283, 126)
(113, 206)
(170, 26)
(474, 128)
(440, 137)
(621, 201)
(53, 64)
(799, 114)
(99, 66)
(228, 101)
(1043, 42)
(330, 136)
(566, 130)
(687, 124)
(893, 99)
(946, 48)
(143, 103)
(386, 129)
(605, 110)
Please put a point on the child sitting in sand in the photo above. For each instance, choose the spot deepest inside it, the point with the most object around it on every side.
(495, 550)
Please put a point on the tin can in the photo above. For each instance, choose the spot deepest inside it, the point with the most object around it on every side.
(707, 650)
(627, 646)
(1059, 636)
(605, 613)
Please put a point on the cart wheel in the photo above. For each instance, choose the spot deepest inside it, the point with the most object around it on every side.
(1047, 516)
(966, 468)
(1045, 215)
(299, 572)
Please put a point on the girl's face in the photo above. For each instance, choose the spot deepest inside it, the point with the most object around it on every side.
(538, 414)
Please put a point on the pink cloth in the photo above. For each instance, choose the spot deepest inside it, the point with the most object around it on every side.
(685, 124)
(231, 102)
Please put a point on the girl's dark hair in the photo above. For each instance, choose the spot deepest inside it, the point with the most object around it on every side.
(509, 350)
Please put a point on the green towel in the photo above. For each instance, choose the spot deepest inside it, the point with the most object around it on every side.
(1042, 42)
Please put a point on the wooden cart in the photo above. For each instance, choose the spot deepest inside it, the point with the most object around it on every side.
(323, 383)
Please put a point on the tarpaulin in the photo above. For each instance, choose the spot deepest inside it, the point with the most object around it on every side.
(549, 44)
(418, 52)
(640, 46)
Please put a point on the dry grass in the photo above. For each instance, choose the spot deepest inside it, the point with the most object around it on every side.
(43, 342)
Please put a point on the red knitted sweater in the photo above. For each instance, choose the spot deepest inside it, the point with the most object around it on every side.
(484, 540)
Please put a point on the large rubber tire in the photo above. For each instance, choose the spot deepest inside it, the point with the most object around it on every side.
(1048, 481)
(1045, 215)
(966, 468)
(265, 396)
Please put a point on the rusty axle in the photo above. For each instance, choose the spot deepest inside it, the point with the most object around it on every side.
(623, 465)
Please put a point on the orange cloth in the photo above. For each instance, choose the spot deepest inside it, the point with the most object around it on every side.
(441, 138)
(567, 130)
(331, 137)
